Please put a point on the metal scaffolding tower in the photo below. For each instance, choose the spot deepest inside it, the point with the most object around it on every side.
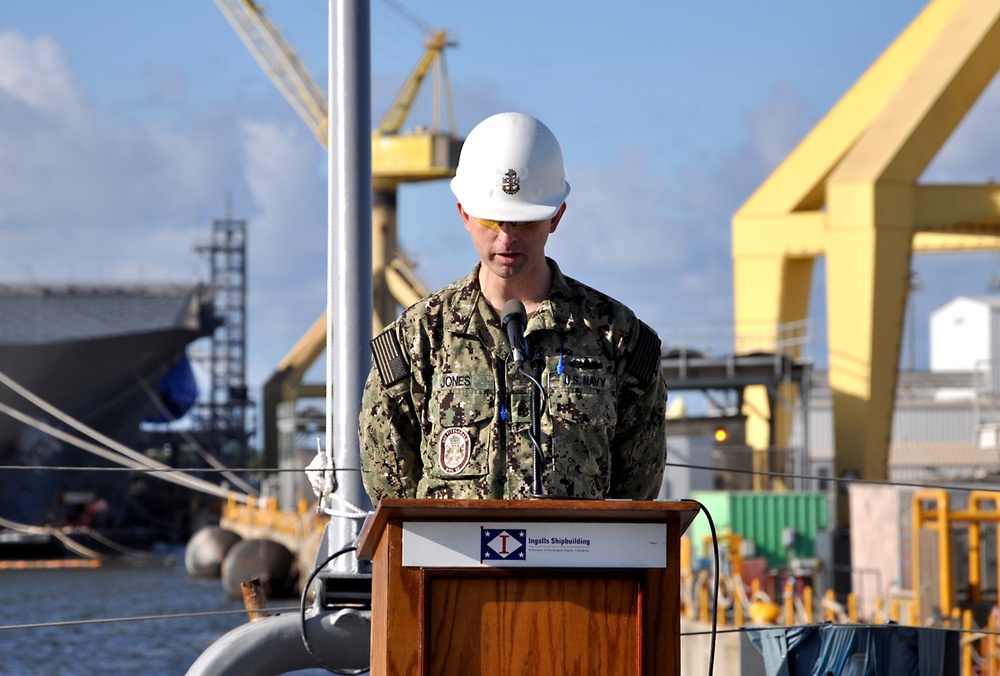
(222, 418)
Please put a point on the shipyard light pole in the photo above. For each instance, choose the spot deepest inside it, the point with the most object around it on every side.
(349, 292)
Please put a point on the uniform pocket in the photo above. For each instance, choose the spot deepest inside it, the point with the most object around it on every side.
(582, 396)
(581, 407)
(460, 410)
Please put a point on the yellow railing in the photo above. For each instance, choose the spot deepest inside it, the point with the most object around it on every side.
(736, 605)
(741, 605)
(265, 514)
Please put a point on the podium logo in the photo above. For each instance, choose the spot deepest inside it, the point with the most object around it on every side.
(502, 545)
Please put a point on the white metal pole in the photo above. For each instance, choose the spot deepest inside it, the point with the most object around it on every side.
(349, 296)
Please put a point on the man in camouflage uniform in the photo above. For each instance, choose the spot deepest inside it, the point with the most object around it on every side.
(445, 414)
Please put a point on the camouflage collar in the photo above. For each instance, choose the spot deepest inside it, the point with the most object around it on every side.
(556, 313)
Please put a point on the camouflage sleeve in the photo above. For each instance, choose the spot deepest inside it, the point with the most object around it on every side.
(639, 450)
(388, 428)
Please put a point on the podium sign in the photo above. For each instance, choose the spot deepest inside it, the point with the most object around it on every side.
(437, 544)
(525, 587)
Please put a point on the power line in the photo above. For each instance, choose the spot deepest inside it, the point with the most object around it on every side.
(705, 468)
(181, 470)
(852, 625)
(408, 14)
(840, 480)
(136, 618)
(289, 609)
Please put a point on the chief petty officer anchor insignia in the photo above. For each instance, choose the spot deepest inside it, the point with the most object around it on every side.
(511, 183)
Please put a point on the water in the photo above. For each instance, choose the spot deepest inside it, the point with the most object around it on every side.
(157, 646)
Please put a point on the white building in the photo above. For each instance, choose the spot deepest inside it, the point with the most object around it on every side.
(965, 337)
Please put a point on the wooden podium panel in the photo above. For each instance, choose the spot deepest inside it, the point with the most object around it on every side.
(509, 626)
(479, 619)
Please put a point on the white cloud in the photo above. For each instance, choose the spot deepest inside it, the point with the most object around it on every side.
(661, 243)
(85, 196)
(776, 126)
(77, 191)
(287, 239)
(36, 74)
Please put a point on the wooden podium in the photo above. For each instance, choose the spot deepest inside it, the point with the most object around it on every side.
(525, 587)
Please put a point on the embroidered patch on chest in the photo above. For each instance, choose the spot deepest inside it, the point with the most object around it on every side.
(454, 450)
(462, 381)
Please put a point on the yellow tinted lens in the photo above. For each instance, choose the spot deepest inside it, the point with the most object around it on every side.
(495, 225)
(487, 223)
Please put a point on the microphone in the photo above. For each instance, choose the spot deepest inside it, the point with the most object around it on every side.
(515, 318)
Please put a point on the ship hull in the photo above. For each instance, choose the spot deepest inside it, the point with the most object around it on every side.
(108, 381)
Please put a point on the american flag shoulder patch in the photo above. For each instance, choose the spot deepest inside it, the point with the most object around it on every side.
(388, 356)
(645, 356)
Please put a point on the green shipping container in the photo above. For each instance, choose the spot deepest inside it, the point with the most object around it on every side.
(762, 517)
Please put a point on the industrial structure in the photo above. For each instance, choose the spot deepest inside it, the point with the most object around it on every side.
(222, 420)
(725, 379)
(850, 192)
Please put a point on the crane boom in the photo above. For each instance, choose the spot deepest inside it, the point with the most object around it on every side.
(279, 61)
(425, 155)
(393, 119)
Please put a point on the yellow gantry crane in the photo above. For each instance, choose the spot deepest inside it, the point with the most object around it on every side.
(851, 192)
(423, 154)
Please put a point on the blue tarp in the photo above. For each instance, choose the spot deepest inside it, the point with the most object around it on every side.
(844, 650)
(178, 390)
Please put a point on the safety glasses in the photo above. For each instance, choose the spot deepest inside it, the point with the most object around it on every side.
(495, 225)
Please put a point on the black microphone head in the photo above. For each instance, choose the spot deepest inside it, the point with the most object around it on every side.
(514, 309)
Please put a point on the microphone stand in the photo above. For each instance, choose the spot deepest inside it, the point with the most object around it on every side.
(514, 323)
(535, 425)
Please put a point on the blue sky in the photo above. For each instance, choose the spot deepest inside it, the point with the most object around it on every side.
(125, 126)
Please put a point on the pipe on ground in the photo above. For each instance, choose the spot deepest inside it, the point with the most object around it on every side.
(274, 645)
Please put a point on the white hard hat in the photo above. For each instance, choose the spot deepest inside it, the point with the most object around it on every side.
(511, 169)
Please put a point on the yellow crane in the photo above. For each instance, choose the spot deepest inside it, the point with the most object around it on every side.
(852, 193)
(279, 61)
(423, 154)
